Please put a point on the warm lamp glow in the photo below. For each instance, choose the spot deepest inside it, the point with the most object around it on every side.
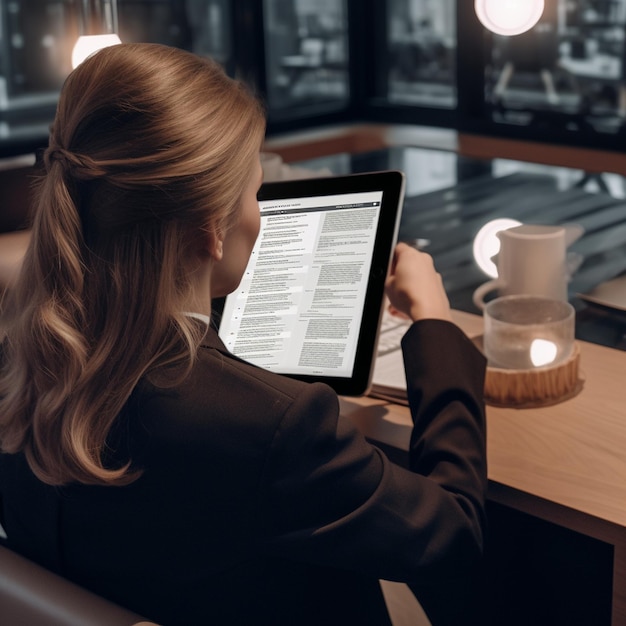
(509, 17)
(542, 352)
(88, 44)
(487, 245)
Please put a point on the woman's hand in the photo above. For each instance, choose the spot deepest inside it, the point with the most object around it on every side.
(414, 287)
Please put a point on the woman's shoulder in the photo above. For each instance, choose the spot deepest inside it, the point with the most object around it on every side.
(233, 372)
(221, 394)
(216, 371)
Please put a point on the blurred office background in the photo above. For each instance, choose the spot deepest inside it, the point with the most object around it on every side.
(314, 62)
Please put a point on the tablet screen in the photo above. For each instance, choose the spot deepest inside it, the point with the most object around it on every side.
(310, 299)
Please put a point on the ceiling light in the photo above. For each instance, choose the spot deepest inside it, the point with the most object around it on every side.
(509, 17)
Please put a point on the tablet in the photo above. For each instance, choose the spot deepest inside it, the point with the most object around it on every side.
(310, 301)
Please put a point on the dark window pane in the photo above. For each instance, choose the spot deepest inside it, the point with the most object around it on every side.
(306, 51)
(421, 38)
(37, 37)
(210, 23)
(156, 21)
(36, 40)
(35, 50)
(566, 74)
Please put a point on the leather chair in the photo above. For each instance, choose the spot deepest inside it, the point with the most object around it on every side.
(31, 595)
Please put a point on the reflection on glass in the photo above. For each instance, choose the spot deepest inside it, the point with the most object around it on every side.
(202, 26)
(34, 60)
(37, 37)
(156, 21)
(567, 72)
(210, 23)
(306, 52)
(431, 170)
(34, 51)
(422, 50)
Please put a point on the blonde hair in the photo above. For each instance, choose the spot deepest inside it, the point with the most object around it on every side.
(149, 148)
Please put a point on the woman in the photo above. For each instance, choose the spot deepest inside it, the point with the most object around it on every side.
(144, 461)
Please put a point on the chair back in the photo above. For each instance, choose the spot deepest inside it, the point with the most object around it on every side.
(31, 594)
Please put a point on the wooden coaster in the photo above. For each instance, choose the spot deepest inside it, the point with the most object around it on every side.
(542, 386)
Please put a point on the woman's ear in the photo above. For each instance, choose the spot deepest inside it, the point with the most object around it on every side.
(217, 248)
(216, 245)
(212, 244)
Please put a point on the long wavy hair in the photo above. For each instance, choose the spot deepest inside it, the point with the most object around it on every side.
(150, 148)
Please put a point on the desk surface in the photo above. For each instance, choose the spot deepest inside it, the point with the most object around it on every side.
(572, 453)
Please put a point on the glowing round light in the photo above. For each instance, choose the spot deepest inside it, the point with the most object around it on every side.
(542, 352)
(509, 17)
(487, 245)
(86, 45)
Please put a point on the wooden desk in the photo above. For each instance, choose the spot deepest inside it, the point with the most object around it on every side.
(565, 464)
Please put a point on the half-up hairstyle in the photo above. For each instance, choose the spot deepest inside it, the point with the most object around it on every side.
(151, 148)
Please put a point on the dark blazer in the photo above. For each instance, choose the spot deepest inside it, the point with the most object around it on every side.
(260, 504)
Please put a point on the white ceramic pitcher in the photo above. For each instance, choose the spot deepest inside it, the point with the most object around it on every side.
(533, 260)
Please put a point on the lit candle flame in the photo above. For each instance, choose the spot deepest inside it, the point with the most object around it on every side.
(542, 352)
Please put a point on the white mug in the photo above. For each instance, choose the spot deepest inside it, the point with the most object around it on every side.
(533, 260)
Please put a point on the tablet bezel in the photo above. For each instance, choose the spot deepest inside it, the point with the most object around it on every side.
(392, 185)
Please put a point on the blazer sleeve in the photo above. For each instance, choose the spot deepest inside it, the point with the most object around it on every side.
(330, 497)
